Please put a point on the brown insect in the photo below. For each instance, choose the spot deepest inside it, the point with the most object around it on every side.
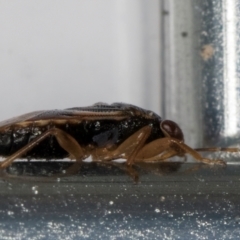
(104, 132)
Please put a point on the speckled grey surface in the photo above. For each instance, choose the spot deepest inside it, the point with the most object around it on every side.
(190, 202)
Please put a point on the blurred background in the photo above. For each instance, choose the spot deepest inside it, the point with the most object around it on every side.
(177, 58)
(61, 54)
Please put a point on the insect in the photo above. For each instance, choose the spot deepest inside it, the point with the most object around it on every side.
(104, 132)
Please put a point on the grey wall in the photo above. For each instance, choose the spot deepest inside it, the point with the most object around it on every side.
(57, 54)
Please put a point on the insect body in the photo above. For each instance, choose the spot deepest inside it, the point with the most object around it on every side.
(105, 132)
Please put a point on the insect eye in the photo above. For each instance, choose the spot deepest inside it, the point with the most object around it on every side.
(171, 129)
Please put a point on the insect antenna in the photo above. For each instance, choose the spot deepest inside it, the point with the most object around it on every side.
(217, 149)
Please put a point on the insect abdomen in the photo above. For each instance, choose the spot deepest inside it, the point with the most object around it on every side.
(5, 143)
(12, 141)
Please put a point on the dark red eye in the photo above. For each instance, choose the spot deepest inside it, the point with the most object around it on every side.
(171, 129)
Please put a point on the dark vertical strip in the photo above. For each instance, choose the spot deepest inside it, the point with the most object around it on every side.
(164, 14)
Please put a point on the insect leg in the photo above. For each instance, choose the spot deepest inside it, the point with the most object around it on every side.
(169, 147)
(154, 151)
(142, 139)
(67, 142)
(128, 169)
(217, 149)
(127, 149)
(195, 154)
(161, 156)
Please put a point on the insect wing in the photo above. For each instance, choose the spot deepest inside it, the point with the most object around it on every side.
(76, 114)
(18, 119)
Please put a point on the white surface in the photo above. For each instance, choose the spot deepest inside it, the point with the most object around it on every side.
(58, 54)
